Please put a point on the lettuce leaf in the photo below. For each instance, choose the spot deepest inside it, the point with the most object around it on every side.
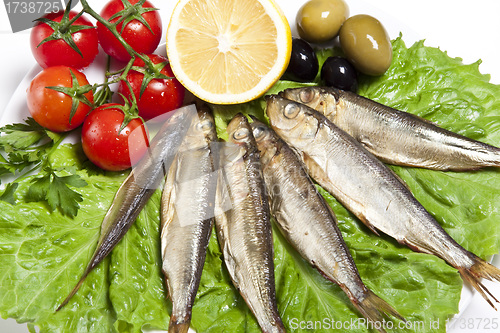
(43, 254)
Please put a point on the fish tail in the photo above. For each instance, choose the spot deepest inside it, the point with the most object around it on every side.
(374, 308)
(178, 325)
(74, 291)
(496, 162)
(492, 158)
(481, 270)
(275, 327)
(93, 263)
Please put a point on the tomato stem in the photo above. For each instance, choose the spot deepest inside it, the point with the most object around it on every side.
(77, 16)
(104, 96)
(112, 27)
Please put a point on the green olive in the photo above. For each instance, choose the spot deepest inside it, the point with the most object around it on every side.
(366, 44)
(319, 21)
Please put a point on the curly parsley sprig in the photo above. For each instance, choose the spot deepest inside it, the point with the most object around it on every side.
(27, 148)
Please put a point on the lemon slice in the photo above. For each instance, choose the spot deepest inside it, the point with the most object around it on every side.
(228, 51)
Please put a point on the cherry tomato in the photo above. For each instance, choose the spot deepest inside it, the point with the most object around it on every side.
(135, 33)
(108, 148)
(52, 109)
(58, 52)
(160, 95)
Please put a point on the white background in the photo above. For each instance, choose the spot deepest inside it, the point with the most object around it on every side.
(466, 29)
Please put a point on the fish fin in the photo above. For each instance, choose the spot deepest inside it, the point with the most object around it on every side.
(481, 269)
(372, 228)
(365, 141)
(368, 224)
(221, 229)
(230, 264)
(374, 308)
(415, 247)
(314, 169)
(178, 325)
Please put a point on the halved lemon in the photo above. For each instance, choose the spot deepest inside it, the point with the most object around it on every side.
(228, 51)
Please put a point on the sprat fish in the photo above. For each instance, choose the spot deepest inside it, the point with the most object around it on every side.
(244, 227)
(394, 136)
(187, 214)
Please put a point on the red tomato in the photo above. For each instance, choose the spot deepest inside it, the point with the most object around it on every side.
(107, 148)
(136, 34)
(58, 52)
(52, 109)
(160, 95)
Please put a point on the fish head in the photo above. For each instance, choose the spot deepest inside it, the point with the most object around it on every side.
(201, 130)
(239, 131)
(268, 142)
(322, 99)
(182, 115)
(296, 123)
(206, 124)
(261, 132)
(240, 142)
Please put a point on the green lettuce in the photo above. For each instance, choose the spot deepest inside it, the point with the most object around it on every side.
(43, 253)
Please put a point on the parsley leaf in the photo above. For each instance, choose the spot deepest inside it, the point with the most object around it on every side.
(8, 193)
(22, 135)
(29, 146)
(56, 191)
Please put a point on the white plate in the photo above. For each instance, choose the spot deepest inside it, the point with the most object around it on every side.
(462, 29)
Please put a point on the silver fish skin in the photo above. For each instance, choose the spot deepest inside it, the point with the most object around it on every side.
(145, 177)
(244, 227)
(187, 214)
(309, 224)
(369, 189)
(394, 136)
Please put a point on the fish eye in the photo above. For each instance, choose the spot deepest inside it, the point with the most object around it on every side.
(291, 110)
(240, 134)
(306, 95)
(259, 132)
(176, 117)
(204, 125)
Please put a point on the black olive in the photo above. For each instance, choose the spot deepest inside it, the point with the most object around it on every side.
(303, 64)
(339, 73)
